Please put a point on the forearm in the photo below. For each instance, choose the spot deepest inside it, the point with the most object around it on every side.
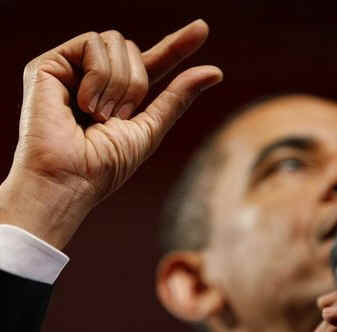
(48, 210)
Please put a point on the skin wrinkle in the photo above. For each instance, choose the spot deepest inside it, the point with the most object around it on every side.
(150, 123)
(114, 153)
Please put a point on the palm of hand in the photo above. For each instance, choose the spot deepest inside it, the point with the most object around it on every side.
(103, 155)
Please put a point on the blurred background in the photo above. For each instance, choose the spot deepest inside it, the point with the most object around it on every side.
(263, 47)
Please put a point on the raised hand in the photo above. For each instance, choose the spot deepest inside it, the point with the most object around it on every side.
(61, 169)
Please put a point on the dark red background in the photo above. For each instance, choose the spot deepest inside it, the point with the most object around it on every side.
(263, 47)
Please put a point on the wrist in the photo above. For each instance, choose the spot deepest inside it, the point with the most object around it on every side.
(47, 209)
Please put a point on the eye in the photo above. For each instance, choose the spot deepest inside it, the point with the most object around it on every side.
(290, 164)
(287, 165)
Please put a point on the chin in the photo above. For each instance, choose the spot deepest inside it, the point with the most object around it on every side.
(314, 293)
(321, 283)
(307, 292)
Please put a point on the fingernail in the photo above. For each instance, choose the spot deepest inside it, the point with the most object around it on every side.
(107, 109)
(125, 111)
(329, 312)
(92, 105)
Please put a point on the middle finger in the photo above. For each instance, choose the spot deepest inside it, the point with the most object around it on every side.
(120, 74)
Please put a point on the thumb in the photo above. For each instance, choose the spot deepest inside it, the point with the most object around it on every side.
(169, 106)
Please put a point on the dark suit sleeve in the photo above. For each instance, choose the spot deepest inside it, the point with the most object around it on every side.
(23, 303)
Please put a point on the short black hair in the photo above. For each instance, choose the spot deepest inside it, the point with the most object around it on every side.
(185, 214)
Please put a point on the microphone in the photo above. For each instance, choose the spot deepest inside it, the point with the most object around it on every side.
(333, 261)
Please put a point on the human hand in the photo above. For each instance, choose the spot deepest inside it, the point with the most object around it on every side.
(62, 170)
(328, 305)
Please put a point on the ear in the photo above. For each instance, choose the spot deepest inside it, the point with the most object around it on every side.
(182, 290)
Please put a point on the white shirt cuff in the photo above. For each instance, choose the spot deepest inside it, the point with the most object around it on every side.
(25, 255)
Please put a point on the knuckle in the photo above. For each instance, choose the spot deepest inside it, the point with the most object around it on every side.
(118, 84)
(149, 127)
(116, 34)
(29, 68)
(139, 87)
(93, 40)
(154, 121)
(112, 35)
(100, 74)
(131, 43)
(37, 71)
(92, 35)
(50, 62)
(173, 98)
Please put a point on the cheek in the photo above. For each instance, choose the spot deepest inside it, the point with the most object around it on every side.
(266, 243)
(268, 249)
(285, 239)
(287, 206)
(284, 190)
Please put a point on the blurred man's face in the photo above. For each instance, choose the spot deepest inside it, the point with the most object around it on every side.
(275, 212)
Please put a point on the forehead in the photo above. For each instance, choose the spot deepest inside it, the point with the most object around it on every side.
(277, 118)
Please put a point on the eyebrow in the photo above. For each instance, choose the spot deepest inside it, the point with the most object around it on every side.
(302, 143)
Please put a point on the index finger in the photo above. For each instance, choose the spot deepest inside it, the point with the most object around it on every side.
(173, 49)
